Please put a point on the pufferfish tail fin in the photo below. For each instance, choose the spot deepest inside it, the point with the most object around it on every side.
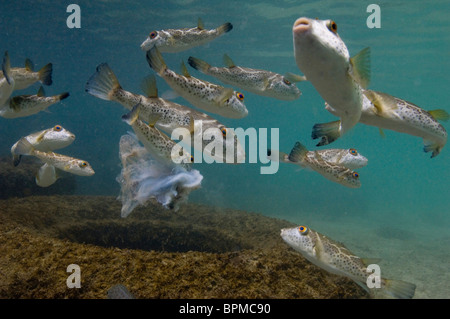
(24, 147)
(6, 68)
(199, 65)
(327, 132)
(45, 74)
(298, 152)
(16, 159)
(103, 83)
(398, 288)
(224, 28)
(432, 147)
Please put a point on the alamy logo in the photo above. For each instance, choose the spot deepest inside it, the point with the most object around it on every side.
(74, 19)
(227, 145)
(374, 279)
(374, 19)
(74, 280)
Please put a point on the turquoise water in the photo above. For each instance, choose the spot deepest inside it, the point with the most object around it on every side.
(402, 188)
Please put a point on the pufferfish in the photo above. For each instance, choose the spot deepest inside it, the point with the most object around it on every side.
(26, 105)
(65, 163)
(176, 40)
(47, 140)
(388, 112)
(261, 82)
(312, 160)
(158, 144)
(205, 95)
(6, 81)
(324, 59)
(349, 157)
(104, 84)
(25, 77)
(337, 259)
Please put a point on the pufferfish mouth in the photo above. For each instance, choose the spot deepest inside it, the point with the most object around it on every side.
(301, 25)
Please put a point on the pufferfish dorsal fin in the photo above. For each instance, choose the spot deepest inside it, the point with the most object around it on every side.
(29, 66)
(439, 115)
(294, 77)
(228, 62)
(6, 68)
(41, 92)
(383, 103)
(369, 261)
(191, 124)
(184, 70)
(200, 24)
(360, 70)
(149, 87)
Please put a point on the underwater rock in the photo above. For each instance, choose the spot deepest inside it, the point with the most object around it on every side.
(20, 180)
(196, 252)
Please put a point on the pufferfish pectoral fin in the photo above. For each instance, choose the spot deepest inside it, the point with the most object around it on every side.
(154, 119)
(348, 121)
(226, 94)
(41, 136)
(383, 103)
(360, 71)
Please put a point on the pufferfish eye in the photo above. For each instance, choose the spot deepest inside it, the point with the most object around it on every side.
(286, 81)
(240, 96)
(355, 175)
(224, 131)
(303, 230)
(83, 164)
(153, 34)
(332, 26)
(353, 151)
(57, 128)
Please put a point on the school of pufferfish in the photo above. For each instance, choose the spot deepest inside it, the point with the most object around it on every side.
(157, 171)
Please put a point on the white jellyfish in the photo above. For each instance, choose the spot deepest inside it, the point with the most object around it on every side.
(143, 178)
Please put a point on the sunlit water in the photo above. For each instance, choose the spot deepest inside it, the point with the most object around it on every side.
(401, 211)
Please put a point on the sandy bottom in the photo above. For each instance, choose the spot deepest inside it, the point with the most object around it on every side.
(197, 252)
(417, 254)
